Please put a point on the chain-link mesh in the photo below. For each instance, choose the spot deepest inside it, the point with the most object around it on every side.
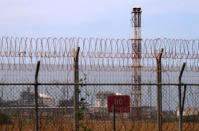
(56, 107)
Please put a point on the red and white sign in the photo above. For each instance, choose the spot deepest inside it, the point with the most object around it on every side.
(121, 102)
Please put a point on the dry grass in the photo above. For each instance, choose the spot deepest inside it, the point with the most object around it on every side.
(66, 125)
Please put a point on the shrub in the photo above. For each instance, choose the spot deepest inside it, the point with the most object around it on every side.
(4, 119)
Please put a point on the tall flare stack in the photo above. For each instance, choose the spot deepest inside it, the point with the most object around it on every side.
(136, 58)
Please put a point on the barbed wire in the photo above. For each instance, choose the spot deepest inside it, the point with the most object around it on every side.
(96, 53)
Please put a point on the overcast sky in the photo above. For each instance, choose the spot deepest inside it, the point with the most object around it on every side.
(98, 18)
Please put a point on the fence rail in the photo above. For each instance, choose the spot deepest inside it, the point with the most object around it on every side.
(103, 84)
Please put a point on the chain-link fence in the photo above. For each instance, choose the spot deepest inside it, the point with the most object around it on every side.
(72, 94)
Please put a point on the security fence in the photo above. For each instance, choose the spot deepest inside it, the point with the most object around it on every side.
(69, 88)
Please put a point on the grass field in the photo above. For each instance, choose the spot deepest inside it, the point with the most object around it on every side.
(98, 126)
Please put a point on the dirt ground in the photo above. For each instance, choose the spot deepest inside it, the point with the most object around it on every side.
(101, 126)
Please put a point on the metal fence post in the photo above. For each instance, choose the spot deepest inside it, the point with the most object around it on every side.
(36, 97)
(181, 103)
(114, 122)
(159, 90)
(76, 89)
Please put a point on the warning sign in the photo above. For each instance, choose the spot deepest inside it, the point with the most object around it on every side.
(121, 102)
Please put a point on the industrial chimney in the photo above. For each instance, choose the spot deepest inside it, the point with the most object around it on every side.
(136, 58)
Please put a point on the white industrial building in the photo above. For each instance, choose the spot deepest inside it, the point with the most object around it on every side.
(27, 99)
(189, 111)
